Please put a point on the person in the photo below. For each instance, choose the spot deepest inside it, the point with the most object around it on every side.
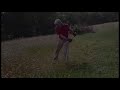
(62, 30)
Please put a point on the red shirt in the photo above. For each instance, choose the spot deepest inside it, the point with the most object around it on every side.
(62, 30)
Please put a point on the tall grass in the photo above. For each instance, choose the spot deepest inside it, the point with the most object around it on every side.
(92, 55)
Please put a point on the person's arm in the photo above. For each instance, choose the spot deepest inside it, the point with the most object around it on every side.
(72, 32)
(63, 37)
(67, 39)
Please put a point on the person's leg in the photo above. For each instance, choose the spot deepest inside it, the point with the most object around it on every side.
(66, 50)
(59, 46)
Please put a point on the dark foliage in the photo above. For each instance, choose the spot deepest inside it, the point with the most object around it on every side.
(28, 24)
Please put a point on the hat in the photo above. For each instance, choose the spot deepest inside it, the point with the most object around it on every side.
(57, 21)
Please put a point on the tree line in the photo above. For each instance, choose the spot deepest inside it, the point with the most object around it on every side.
(28, 24)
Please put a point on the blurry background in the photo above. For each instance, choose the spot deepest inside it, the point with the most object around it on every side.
(29, 24)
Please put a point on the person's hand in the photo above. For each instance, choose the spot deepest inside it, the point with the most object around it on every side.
(70, 40)
(74, 34)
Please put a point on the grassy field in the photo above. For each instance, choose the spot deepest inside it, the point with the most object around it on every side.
(92, 55)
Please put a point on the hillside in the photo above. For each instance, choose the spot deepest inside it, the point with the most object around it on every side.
(92, 55)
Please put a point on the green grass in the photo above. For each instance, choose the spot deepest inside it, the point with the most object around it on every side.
(92, 55)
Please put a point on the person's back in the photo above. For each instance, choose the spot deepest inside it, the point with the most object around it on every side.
(64, 29)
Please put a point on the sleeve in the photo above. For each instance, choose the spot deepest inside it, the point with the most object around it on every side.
(67, 27)
(71, 31)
